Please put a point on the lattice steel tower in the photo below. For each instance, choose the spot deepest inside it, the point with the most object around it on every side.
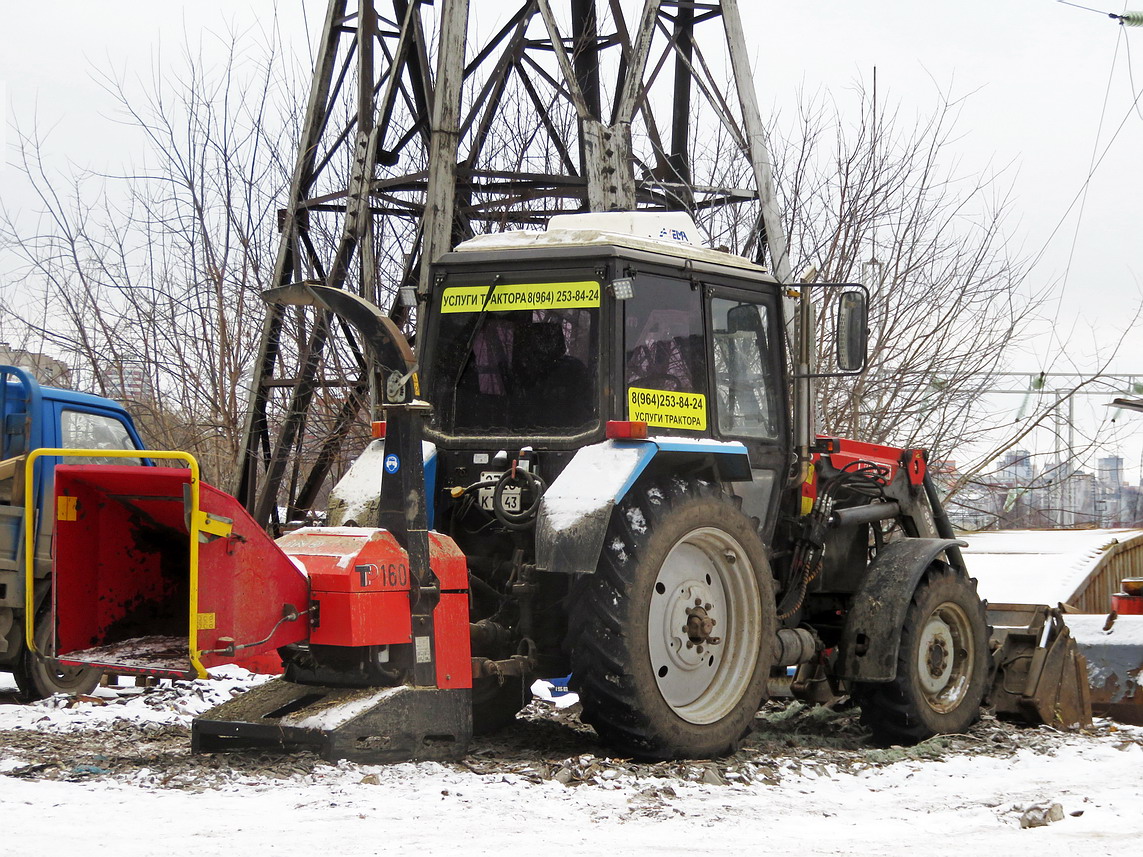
(428, 123)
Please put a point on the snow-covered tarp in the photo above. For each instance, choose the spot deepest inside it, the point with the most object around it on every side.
(1038, 566)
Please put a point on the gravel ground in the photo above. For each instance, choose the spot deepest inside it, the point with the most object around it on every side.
(143, 737)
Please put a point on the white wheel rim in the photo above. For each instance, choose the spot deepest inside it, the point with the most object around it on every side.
(945, 657)
(710, 567)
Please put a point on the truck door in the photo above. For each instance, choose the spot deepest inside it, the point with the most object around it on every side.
(749, 393)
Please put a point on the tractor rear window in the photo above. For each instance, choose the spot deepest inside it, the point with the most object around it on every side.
(530, 368)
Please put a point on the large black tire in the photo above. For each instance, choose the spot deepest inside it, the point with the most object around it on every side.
(36, 680)
(649, 689)
(942, 664)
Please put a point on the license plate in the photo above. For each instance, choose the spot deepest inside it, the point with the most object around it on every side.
(509, 497)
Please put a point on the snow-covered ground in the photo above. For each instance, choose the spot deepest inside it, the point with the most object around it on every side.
(117, 774)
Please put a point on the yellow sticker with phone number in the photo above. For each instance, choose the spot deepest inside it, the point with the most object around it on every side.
(506, 297)
(667, 409)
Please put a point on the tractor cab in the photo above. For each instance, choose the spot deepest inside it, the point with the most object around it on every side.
(556, 340)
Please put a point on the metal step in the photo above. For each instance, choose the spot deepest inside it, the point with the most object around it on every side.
(373, 725)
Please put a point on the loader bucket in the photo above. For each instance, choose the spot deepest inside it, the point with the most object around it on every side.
(143, 587)
(1113, 647)
(1041, 677)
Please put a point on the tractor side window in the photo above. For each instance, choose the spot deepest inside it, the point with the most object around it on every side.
(744, 369)
(665, 354)
(85, 430)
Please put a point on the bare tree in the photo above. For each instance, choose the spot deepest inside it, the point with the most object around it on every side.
(148, 284)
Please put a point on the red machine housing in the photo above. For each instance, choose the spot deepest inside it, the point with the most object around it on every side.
(360, 584)
(124, 594)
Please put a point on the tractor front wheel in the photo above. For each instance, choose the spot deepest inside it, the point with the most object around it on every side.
(672, 636)
(942, 664)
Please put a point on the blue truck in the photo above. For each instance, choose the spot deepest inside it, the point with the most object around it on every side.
(35, 417)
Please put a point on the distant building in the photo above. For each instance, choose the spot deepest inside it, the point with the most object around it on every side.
(1016, 467)
(1111, 471)
(128, 384)
(47, 370)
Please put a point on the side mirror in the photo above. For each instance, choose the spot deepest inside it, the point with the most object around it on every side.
(852, 329)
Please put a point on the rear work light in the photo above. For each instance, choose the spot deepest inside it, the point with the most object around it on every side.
(626, 430)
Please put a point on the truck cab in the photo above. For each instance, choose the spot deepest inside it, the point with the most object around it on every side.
(39, 417)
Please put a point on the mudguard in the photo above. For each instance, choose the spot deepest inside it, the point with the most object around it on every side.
(872, 633)
(356, 496)
(575, 510)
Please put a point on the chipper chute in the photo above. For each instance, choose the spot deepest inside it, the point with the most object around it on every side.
(155, 573)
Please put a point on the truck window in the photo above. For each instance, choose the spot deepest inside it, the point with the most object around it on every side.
(744, 369)
(86, 430)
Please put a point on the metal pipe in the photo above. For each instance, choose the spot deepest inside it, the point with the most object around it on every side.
(796, 646)
(866, 514)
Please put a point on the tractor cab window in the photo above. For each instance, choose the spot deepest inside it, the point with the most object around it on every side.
(665, 355)
(744, 362)
(529, 368)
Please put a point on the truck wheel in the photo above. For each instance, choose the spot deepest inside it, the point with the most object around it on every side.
(672, 638)
(37, 680)
(942, 664)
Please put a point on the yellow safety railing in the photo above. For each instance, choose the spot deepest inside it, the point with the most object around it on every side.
(197, 519)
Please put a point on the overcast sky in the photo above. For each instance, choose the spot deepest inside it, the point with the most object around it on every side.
(1036, 74)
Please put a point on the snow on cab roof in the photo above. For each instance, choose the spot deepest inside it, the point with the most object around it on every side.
(669, 233)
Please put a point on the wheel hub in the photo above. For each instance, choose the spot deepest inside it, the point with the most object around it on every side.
(688, 625)
(699, 625)
(936, 665)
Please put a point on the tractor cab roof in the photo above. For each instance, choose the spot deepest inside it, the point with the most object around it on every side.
(659, 233)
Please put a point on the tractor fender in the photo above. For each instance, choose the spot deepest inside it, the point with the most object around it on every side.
(575, 510)
(357, 495)
(872, 632)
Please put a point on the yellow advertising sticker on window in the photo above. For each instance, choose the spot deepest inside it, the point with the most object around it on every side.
(516, 297)
(666, 409)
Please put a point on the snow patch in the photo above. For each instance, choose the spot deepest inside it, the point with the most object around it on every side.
(636, 520)
(619, 549)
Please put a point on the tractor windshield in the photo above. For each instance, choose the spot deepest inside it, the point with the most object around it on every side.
(517, 359)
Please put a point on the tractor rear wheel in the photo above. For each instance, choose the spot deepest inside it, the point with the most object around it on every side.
(36, 679)
(942, 664)
(672, 637)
